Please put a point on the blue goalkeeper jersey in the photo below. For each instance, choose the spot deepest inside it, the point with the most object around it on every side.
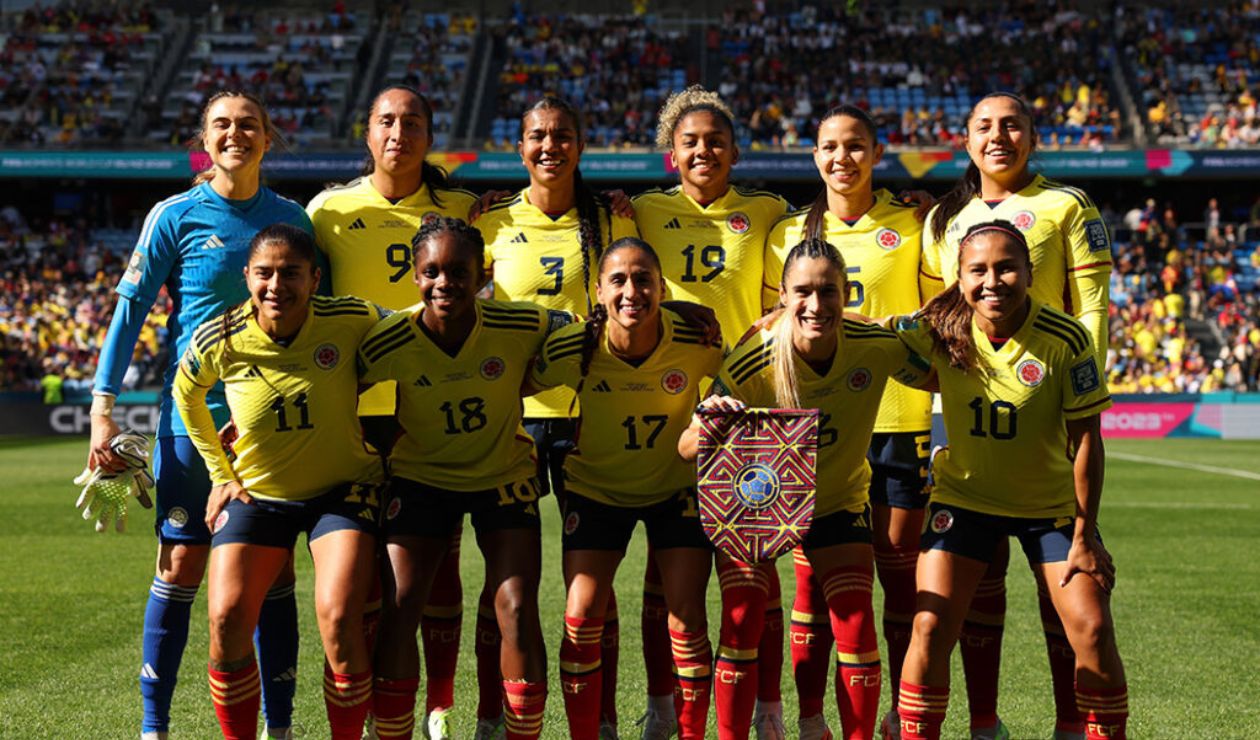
(196, 244)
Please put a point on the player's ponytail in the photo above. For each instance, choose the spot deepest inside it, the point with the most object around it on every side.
(968, 187)
(783, 351)
(814, 222)
(591, 209)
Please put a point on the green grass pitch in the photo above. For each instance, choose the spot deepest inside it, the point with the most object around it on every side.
(71, 605)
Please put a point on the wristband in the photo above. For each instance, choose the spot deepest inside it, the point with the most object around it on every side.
(102, 404)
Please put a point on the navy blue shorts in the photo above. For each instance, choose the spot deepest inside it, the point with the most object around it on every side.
(554, 439)
(674, 522)
(839, 528)
(899, 468)
(183, 487)
(976, 536)
(418, 510)
(273, 523)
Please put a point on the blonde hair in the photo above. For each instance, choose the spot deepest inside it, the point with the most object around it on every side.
(783, 351)
(679, 104)
(198, 139)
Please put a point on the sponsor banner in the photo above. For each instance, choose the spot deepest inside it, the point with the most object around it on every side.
(38, 420)
(1145, 420)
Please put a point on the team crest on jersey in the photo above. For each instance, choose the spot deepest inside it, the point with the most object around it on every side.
(571, 522)
(327, 356)
(395, 506)
(859, 379)
(1024, 220)
(492, 368)
(429, 217)
(220, 522)
(888, 239)
(674, 381)
(1030, 373)
(942, 521)
(738, 222)
(177, 517)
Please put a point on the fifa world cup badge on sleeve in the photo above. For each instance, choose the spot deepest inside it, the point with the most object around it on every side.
(756, 477)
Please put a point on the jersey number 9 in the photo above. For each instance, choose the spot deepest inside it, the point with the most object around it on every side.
(398, 256)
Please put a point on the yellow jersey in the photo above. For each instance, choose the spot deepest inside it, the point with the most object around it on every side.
(1068, 242)
(461, 415)
(1008, 443)
(367, 240)
(712, 255)
(847, 398)
(881, 251)
(632, 415)
(293, 406)
(540, 259)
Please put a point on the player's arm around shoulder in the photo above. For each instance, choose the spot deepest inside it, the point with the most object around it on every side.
(550, 321)
(559, 360)
(389, 333)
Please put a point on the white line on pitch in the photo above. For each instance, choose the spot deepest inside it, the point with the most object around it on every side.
(1184, 465)
(1172, 505)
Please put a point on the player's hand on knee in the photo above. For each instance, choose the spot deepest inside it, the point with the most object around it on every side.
(220, 495)
(1089, 558)
(104, 428)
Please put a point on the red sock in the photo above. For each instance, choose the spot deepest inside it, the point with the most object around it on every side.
(489, 682)
(236, 701)
(922, 710)
(347, 697)
(440, 627)
(610, 651)
(981, 647)
(770, 649)
(895, 566)
(524, 703)
(655, 625)
(848, 591)
(811, 638)
(394, 707)
(1062, 668)
(580, 675)
(744, 591)
(693, 676)
(1106, 712)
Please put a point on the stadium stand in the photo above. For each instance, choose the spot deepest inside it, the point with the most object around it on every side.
(433, 54)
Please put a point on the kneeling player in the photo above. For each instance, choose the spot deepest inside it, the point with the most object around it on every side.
(285, 361)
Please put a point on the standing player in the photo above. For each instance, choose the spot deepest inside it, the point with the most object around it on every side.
(811, 357)
(365, 228)
(460, 363)
(710, 237)
(540, 246)
(636, 368)
(195, 245)
(1071, 256)
(879, 237)
(1020, 383)
(283, 359)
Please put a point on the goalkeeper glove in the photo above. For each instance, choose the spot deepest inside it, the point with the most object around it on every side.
(105, 493)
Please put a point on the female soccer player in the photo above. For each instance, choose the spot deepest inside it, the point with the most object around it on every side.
(365, 228)
(285, 361)
(1071, 255)
(459, 363)
(636, 368)
(1020, 382)
(812, 357)
(710, 237)
(195, 245)
(879, 237)
(540, 246)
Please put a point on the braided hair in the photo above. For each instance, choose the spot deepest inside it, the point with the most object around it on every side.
(467, 237)
(435, 177)
(783, 352)
(598, 318)
(948, 315)
(818, 209)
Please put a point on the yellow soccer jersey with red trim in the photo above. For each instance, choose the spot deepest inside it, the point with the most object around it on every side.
(293, 406)
(367, 240)
(881, 253)
(712, 255)
(847, 398)
(1008, 444)
(539, 259)
(1068, 242)
(461, 415)
(632, 417)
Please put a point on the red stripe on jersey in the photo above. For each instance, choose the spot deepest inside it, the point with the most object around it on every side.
(1091, 264)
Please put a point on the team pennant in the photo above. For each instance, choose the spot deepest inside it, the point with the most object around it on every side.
(755, 474)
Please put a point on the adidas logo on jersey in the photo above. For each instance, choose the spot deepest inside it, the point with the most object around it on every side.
(253, 372)
(213, 242)
(357, 224)
(423, 382)
(673, 224)
(602, 387)
(520, 239)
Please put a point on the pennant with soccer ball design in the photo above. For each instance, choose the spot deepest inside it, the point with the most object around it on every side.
(756, 473)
